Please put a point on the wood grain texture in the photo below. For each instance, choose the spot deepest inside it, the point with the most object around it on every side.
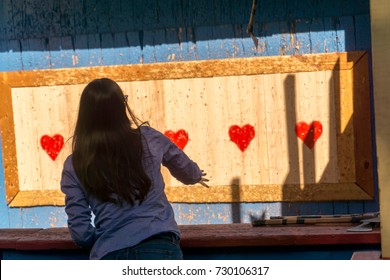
(8, 143)
(180, 70)
(209, 236)
(205, 98)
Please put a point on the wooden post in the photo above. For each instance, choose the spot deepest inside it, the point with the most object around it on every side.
(380, 34)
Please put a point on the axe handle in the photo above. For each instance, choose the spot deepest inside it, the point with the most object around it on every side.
(314, 219)
(301, 220)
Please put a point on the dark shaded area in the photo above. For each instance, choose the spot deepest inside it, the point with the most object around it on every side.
(227, 253)
(27, 20)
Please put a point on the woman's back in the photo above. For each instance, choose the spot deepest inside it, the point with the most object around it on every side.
(124, 226)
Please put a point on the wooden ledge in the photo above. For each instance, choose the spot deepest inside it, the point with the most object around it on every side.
(218, 235)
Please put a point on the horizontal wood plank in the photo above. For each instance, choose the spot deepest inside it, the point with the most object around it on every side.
(182, 70)
(217, 235)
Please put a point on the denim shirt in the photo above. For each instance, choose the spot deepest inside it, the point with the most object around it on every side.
(116, 227)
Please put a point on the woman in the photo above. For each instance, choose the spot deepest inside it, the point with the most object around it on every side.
(114, 173)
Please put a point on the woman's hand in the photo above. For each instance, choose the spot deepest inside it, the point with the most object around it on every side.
(203, 180)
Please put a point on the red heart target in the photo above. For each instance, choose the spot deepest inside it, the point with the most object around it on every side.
(309, 133)
(52, 145)
(180, 137)
(242, 136)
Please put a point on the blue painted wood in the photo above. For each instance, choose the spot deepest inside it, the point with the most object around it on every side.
(4, 214)
(126, 17)
(148, 46)
(330, 9)
(355, 207)
(345, 29)
(103, 12)
(246, 42)
(44, 255)
(46, 217)
(224, 213)
(161, 49)
(85, 18)
(6, 20)
(170, 14)
(238, 47)
(16, 19)
(3, 19)
(61, 52)
(309, 208)
(94, 20)
(346, 7)
(362, 32)
(67, 52)
(54, 19)
(202, 35)
(32, 217)
(251, 211)
(173, 44)
(144, 14)
(273, 39)
(14, 55)
(115, 14)
(331, 35)
(188, 44)
(302, 36)
(271, 11)
(135, 47)
(41, 18)
(94, 49)
(109, 54)
(222, 11)
(340, 207)
(81, 52)
(228, 253)
(3, 56)
(222, 45)
(318, 37)
(198, 13)
(64, 16)
(122, 49)
(241, 11)
(286, 39)
(360, 7)
(326, 208)
(35, 54)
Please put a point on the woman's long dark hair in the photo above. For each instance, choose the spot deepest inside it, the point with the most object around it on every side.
(107, 148)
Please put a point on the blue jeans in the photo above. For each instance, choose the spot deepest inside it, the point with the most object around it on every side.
(163, 246)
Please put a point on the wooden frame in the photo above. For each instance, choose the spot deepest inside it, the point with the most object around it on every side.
(353, 101)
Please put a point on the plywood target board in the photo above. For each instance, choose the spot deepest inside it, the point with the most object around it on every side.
(264, 129)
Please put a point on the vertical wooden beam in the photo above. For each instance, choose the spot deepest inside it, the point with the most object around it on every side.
(380, 34)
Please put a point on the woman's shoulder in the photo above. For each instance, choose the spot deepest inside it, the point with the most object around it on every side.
(147, 130)
(68, 164)
(154, 137)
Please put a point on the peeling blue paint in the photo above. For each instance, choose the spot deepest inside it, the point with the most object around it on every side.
(60, 34)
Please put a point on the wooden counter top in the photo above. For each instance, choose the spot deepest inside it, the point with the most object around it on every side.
(216, 235)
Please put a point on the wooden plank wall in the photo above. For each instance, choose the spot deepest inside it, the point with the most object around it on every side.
(45, 35)
(380, 14)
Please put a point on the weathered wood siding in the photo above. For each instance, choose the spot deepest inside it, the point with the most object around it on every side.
(60, 34)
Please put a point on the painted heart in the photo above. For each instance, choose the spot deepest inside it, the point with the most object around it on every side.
(309, 133)
(242, 136)
(180, 137)
(52, 145)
